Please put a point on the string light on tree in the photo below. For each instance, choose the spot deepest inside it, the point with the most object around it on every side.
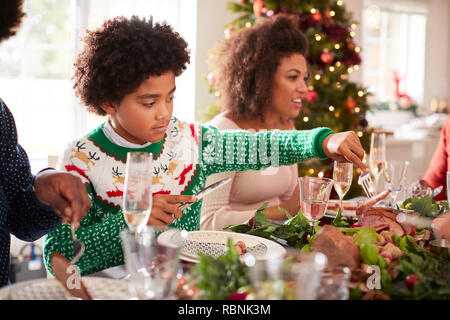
(227, 33)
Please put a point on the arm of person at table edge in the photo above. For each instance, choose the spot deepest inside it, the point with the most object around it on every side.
(239, 150)
(34, 199)
(435, 175)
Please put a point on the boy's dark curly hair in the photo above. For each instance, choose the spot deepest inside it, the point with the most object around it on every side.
(244, 65)
(121, 54)
(11, 15)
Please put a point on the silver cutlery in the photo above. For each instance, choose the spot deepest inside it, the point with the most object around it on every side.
(207, 191)
(78, 246)
(367, 184)
(436, 191)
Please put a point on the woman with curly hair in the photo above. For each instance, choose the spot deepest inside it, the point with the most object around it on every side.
(127, 71)
(28, 203)
(261, 75)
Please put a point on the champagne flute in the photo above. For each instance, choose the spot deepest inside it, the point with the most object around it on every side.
(342, 176)
(395, 174)
(448, 186)
(377, 158)
(314, 196)
(137, 199)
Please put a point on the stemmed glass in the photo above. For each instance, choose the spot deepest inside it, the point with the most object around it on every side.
(152, 265)
(314, 196)
(395, 174)
(377, 158)
(137, 198)
(448, 186)
(342, 176)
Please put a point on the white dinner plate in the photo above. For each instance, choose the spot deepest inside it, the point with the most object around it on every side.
(51, 289)
(214, 244)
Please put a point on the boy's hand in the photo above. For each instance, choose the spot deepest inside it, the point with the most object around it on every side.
(66, 194)
(165, 208)
(345, 147)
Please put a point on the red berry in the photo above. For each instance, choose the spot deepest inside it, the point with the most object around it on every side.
(238, 296)
(250, 222)
(411, 280)
(240, 247)
(355, 225)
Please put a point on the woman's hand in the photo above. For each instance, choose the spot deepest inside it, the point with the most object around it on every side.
(65, 193)
(345, 147)
(165, 208)
(441, 226)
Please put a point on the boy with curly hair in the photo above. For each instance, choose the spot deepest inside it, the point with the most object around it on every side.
(127, 71)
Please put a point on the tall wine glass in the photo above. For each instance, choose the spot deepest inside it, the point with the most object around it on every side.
(137, 198)
(448, 186)
(377, 158)
(395, 174)
(314, 196)
(342, 176)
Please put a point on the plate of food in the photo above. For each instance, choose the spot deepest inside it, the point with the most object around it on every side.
(425, 206)
(214, 243)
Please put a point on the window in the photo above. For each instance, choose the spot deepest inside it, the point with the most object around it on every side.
(36, 65)
(394, 43)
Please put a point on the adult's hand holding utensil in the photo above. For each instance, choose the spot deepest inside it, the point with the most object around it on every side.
(345, 147)
(65, 193)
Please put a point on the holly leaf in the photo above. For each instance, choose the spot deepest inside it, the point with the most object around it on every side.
(424, 205)
(338, 221)
(239, 228)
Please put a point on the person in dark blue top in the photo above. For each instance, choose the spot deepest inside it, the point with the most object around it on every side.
(30, 206)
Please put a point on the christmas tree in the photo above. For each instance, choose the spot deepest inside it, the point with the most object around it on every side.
(332, 100)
